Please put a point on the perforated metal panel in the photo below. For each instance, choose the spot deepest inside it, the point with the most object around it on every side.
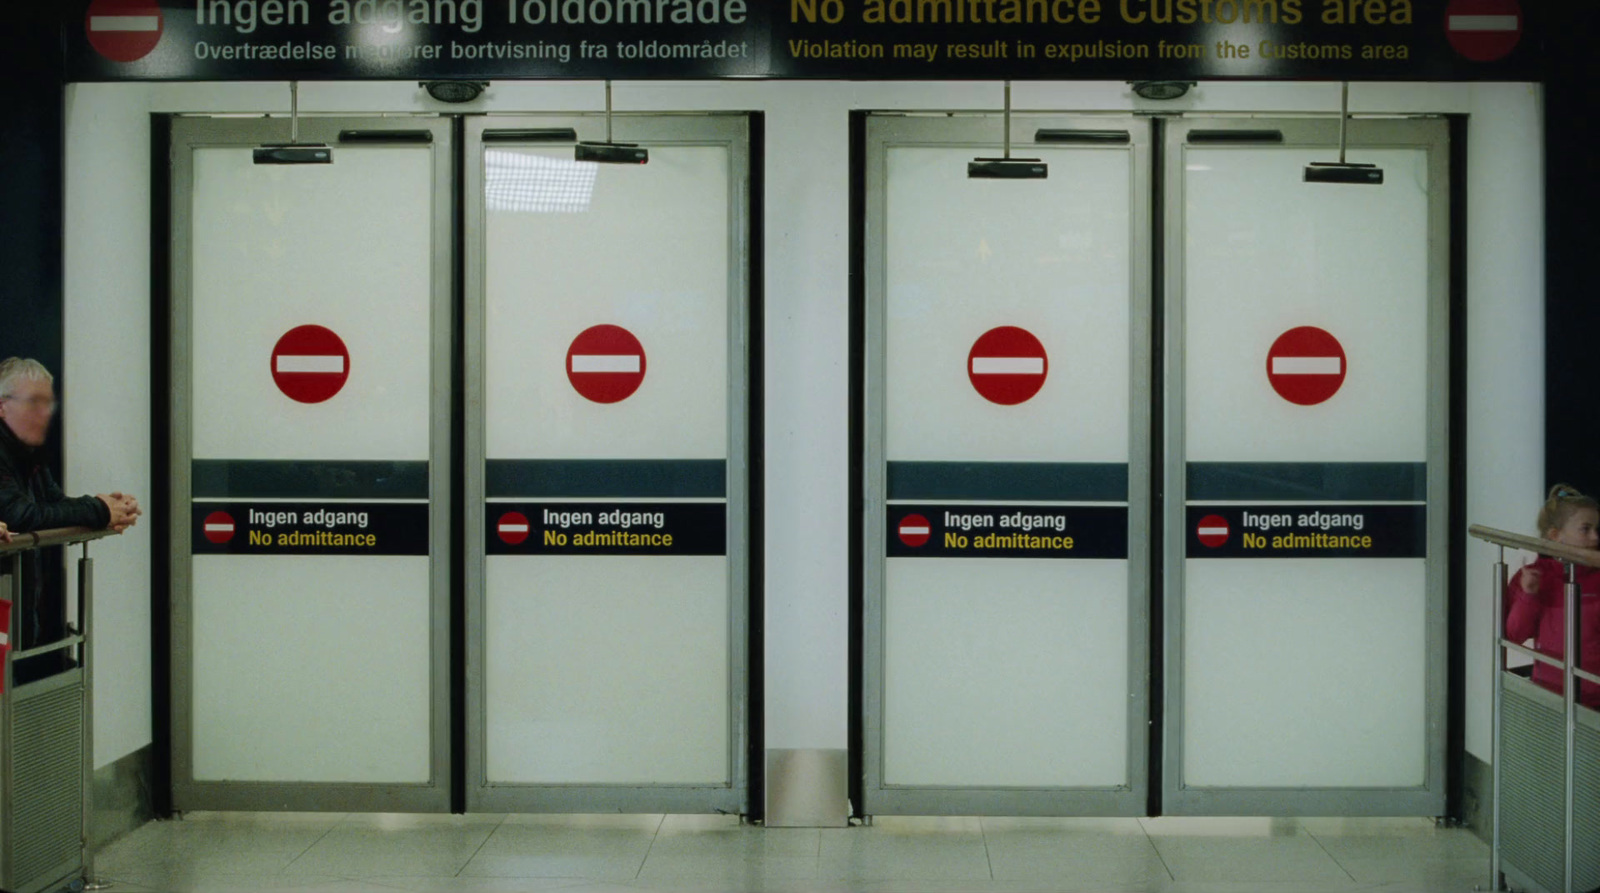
(44, 757)
(1533, 784)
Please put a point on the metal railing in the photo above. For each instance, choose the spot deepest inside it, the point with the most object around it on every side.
(1570, 558)
(79, 636)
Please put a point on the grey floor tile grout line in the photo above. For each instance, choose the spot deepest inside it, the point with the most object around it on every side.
(1150, 839)
(323, 836)
(651, 848)
(485, 842)
(983, 833)
(1313, 835)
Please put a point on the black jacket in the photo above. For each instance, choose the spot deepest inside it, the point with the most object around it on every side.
(30, 498)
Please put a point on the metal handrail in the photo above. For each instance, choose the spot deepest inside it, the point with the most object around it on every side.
(56, 536)
(1585, 557)
(1570, 557)
(79, 638)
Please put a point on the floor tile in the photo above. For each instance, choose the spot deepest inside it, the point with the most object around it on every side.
(234, 845)
(598, 851)
(932, 850)
(1242, 850)
(359, 849)
(1075, 856)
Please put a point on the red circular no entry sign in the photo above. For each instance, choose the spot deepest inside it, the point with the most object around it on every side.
(512, 527)
(310, 364)
(1007, 365)
(1306, 365)
(1483, 30)
(605, 363)
(218, 527)
(1212, 530)
(123, 30)
(914, 530)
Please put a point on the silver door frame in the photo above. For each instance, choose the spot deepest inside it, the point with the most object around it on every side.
(731, 130)
(1179, 798)
(982, 132)
(189, 133)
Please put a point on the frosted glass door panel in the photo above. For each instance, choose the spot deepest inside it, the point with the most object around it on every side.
(1304, 673)
(1265, 253)
(643, 247)
(307, 307)
(608, 670)
(1310, 375)
(1008, 320)
(286, 691)
(607, 666)
(1048, 256)
(282, 246)
(1021, 691)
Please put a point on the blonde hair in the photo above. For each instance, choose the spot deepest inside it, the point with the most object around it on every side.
(1558, 508)
(15, 369)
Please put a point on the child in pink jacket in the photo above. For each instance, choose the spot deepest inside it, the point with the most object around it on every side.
(1537, 593)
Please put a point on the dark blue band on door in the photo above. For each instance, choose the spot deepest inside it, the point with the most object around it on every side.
(307, 479)
(1019, 481)
(1308, 481)
(655, 478)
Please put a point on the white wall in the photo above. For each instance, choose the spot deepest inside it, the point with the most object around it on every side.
(806, 290)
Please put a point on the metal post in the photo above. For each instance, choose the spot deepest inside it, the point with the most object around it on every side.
(1007, 122)
(1497, 630)
(1569, 688)
(86, 660)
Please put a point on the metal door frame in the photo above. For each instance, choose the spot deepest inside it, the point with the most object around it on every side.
(733, 131)
(187, 134)
(982, 132)
(1431, 134)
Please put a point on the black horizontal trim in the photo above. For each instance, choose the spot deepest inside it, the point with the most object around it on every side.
(1019, 481)
(1301, 481)
(531, 135)
(385, 136)
(307, 479)
(658, 478)
(1082, 136)
(1235, 136)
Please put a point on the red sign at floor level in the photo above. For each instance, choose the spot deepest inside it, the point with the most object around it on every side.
(123, 30)
(1483, 30)
(605, 363)
(310, 364)
(1007, 365)
(1306, 365)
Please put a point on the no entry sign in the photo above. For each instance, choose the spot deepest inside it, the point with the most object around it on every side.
(605, 363)
(310, 364)
(123, 30)
(218, 527)
(1212, 530)
(513, 528)
(1306, 365)
(1483, 30)
(1007, 365)
(914, 530)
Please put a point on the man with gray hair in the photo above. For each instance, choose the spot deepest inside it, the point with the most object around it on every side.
(30, 499)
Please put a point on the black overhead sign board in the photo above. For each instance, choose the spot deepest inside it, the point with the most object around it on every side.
(1439, 40)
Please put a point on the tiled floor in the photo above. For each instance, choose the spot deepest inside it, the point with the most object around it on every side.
(225, 852)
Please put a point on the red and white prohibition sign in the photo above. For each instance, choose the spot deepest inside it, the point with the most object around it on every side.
(1306, 365)
(512, 527)
(914, 530)
(218, 527)
(123, 30)
(310, 364)
(1007, 365)
(1212, 530)
(605, 363)
(1483, 30)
